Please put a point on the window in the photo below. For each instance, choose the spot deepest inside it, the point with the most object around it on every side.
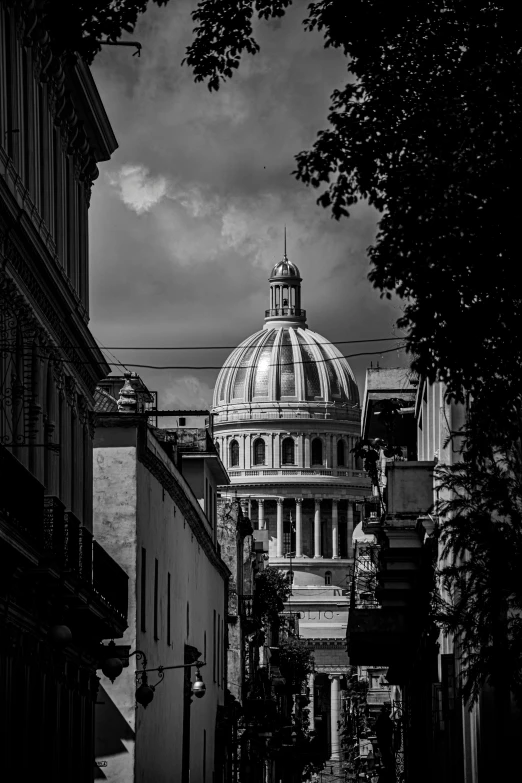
(217, 448)
(234, 454)
(168, 609)
(317, 451)
(288, 451)
(218, 648)
(259, 451)
(214, 648)
(156, 599)
(143, 588)
(341, 453)
(328, 577)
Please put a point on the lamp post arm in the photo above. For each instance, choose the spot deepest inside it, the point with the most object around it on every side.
(160, 669)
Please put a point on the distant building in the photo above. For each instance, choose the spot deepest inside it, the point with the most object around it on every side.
(438, 738)
(286, 417)
(60, 592)
(155, 512)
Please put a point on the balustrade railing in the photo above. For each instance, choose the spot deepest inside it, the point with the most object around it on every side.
(297, 472)
(275, 311)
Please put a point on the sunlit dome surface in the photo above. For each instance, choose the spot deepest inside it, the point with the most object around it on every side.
(285, 268)
(285, 364)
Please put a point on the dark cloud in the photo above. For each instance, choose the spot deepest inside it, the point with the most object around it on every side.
(187, 218)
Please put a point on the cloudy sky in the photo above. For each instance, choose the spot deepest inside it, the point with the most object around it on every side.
(187, 218)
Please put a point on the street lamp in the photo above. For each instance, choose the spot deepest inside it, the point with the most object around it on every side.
(113, 666)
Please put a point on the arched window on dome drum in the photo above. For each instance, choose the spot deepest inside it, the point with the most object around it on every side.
(259, 451)
(217, 448)
(317, 451)
(288, 451)
(341, 453)
(234, 454)
(328, 577)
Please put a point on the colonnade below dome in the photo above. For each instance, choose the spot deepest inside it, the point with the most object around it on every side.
(313, 528)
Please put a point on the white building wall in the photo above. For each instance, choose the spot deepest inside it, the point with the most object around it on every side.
(134, 512)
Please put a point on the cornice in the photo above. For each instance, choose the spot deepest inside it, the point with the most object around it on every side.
(92, 112)
(173, 483)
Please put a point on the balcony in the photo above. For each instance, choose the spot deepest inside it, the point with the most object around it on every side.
(20, 510)
(409, 490)
(378, 696)
(276, 312)
(51, 544)
(109, 580)
(377, 635)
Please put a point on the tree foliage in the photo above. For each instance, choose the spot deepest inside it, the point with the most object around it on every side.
(427, 129)
(295, 661)
(481, 601)
(80, 25)
(272, 589)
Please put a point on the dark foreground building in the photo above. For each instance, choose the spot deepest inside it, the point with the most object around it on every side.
(60, 592)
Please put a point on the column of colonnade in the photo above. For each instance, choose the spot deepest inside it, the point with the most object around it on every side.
(318, 553)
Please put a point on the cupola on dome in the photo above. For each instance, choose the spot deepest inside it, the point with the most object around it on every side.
(285, 268)
(285, 363)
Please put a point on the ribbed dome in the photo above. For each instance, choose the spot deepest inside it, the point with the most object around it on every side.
(285, 364)
(285, 268)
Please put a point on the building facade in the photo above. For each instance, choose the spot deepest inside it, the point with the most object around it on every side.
(286, 416)
(61, 594)
(153, 514)
(439, 736)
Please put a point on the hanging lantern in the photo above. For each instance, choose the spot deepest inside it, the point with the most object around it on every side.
(144, 694)
(59, 636)
(199, 687)
(112, 668)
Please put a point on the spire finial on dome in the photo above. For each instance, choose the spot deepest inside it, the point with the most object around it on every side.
(285, 256)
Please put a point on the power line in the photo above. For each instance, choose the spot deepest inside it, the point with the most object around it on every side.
(231, 347)
(218, 366)
(99, 345)
(278, 364)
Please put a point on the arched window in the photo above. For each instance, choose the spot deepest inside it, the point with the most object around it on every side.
(234, 454)
(288, 452)
(341, 453)
(317, 451)
(259, 451)
(328, 577)
(217, 448)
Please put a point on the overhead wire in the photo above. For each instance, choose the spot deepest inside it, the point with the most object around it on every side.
(220, 366)
(277, 364)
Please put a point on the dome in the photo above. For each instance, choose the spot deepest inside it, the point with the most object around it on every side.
(285, 268)
(288, 364)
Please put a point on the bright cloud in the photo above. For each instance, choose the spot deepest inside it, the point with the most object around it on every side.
(137, 189)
